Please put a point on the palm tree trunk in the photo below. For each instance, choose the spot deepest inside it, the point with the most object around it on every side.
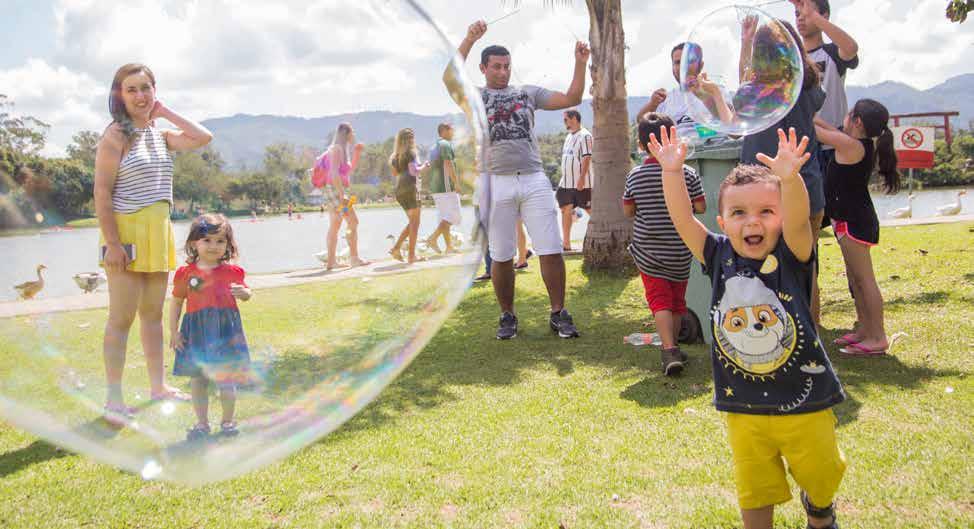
(609, 230)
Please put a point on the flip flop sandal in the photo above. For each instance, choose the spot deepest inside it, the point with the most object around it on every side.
(396, 254)
(118, 414)
(198, 432)
(856, 349)
(228, 429)
(172, 394)
(846, 339)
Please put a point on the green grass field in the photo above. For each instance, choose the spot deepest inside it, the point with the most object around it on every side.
(542, 432)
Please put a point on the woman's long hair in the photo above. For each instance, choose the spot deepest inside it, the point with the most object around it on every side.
(404, 151)
(116, 105)
(875, 119)
(340, 139)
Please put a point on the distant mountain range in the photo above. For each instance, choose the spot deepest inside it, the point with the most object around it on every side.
(241, 139)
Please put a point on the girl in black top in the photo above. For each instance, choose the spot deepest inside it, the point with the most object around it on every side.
(406, 167)
(864, 141)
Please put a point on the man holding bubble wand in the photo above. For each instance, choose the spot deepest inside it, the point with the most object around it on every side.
(519, 188)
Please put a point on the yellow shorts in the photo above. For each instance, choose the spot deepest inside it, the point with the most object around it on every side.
(762, 444)
(150, 230)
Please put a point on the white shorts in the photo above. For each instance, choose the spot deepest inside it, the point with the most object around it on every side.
(448, 207)
(528, 197)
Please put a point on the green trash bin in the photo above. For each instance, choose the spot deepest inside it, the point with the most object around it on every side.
(712, 163)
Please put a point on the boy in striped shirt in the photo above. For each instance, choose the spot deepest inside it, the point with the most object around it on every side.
(661, 257)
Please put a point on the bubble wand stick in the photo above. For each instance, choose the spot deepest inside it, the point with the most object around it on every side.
(503, 17)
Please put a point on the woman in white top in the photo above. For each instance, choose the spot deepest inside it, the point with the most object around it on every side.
(133, 199)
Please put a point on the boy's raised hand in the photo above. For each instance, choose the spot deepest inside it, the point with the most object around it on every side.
(669, 151)
(791, 155)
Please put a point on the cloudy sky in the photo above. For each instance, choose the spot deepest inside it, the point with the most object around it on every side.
(216, 58)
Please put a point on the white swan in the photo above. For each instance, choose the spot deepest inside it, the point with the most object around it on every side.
(952, 209)
(904, 213)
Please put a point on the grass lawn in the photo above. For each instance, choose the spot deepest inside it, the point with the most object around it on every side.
(540, 432)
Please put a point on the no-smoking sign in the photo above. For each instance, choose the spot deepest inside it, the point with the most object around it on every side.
(912, 138)
(914, 147)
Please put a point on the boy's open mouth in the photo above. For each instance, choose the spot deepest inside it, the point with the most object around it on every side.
(754, 240)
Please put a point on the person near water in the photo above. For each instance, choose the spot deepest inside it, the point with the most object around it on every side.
(575, 187)
(407, 168)
(133, 195)
(864, 143)
(332, 174)
(445, 188)
(208, 339)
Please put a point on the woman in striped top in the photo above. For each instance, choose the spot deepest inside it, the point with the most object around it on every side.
(133, 198)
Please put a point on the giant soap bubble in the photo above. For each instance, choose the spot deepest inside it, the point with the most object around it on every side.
(741, 70)
(275, 87)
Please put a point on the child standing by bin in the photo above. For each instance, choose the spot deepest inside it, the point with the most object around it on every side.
(661, 257)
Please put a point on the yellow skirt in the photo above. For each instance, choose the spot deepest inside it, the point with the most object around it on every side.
(150, 230)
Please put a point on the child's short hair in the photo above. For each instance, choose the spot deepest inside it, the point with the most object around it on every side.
(745, 174)
(652, 123)
(209, 224)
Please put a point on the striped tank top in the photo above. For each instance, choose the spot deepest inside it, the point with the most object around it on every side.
(145, 173)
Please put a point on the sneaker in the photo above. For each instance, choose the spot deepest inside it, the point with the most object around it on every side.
(508, 327)
(672, 361)
(484, 277)
(561, 322)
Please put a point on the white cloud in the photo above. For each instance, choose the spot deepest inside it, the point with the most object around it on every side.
(309, 58)
(65, 100)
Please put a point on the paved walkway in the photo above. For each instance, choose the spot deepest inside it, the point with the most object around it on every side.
(925, 220)
(99, 299)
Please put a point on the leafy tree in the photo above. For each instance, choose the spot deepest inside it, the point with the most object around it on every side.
(72, 187)
(25, 135)
(198, 176)
(83, 147)
(957, 10)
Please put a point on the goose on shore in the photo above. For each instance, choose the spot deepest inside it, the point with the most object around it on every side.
(952, 209)
(904, 213)
(29, 289)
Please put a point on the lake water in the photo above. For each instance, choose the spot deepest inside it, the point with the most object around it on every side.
(275, 244)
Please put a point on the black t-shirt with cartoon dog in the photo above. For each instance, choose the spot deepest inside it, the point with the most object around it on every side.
(767, 358)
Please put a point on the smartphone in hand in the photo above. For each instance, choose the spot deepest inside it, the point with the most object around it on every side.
(128, 248)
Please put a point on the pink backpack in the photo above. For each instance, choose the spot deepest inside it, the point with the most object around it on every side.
(319, 174)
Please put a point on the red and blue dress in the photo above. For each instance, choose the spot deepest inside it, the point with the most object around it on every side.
(214, 343)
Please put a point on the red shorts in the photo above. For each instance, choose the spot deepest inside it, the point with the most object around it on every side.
(663, 294)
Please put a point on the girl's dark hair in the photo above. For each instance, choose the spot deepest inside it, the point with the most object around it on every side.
(875, 119)
(209, 224)
(812, 76)
(116, 105)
